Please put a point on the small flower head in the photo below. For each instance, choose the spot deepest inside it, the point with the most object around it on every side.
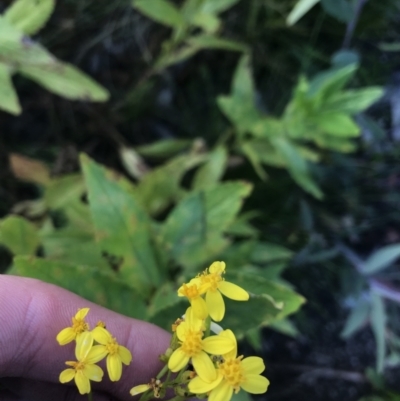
(192, 292)
(116, 353)
(194, 347)
(78, 327)
(233, 373)
(83, 369)
(213, 284)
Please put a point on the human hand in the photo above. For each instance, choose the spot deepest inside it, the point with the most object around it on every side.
(31, 315)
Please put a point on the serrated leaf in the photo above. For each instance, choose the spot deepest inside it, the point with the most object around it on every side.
(356, 319)
(162, 11)
(289, 300)
(66, 80)
(19, 235)
(382, 259)
(105, 289)
(214, 42)
(217, 6)
(378, 324)
(301, 8)
(8, 97)
(337, 124)
(29, 15)
(210, 173)
(353, 101)
(122, 227)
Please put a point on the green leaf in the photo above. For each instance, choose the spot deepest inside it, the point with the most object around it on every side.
(340, 9)
(337, 124)
(336, 143)
(217, 6)
(165, 148)
(165, 297)
(285, 326)
(354, 101)
(382, 259)
(301, 8)
(212, 171)
(161, 11)
(65, 80)
(122, 227)
(240, 106)
(165, 317)
(161, 186)
(214, 42)
(29, 15)
(297, 166)
(356, 319)
(8, 97)
(61, 191)
(170, 58)
(19, 235)
(207, 22)
(264, 252)
(288, 300)
(252, 153)
(378, 323)
(99, 287)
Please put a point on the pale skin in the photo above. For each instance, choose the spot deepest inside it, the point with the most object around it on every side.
(31, 315)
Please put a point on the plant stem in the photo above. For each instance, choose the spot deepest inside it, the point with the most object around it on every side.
(90, 396)
(208, 326)
(162, 372)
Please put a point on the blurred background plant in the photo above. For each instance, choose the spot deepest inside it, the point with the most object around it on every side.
(164, 135)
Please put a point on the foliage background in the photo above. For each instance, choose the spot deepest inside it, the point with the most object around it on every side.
(343, 248)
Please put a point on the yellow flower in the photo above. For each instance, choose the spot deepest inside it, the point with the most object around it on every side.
(213, 284)
(79, 326)
(194, 347)
(233, 373)
(192, 293)
(116, 354)
(84, 369)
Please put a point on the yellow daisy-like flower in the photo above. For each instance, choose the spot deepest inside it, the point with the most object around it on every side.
(84, 369)
(194, 347)
(78, 327)
(116, 353)
(212, 284)
(233, 373)
(192, 293)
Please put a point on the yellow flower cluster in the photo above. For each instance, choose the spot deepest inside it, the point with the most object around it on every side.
(91, 347)
(218, 371)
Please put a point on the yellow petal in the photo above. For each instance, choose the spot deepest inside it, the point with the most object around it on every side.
(181, 330)
(255, 384)
(215, 305)
(217, 267)
(199, 386)
(177, 360)
(194, 322)
(96, 354)
(141, 388)
(204, 367)
(223, 392)
(229, 334)
(253, 365)
(218, 345)
(93, 372)
(81, 314)
(67, 375)
(65, 336)
(82, 382)
(84, 344)
(101, 335)
(114, 367)
(125, 355)
(199, 308)
(233, 291)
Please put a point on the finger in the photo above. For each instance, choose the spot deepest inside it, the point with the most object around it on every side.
(33, 312)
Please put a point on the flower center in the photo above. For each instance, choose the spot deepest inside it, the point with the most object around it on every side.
(192, 344)
(76, 365)
(79, 326)
(190, 291)
(211, 280)
(112, 347)
(233, 372)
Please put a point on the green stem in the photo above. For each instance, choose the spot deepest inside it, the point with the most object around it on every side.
(162, 372)
(208, 326)
(90, 396)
